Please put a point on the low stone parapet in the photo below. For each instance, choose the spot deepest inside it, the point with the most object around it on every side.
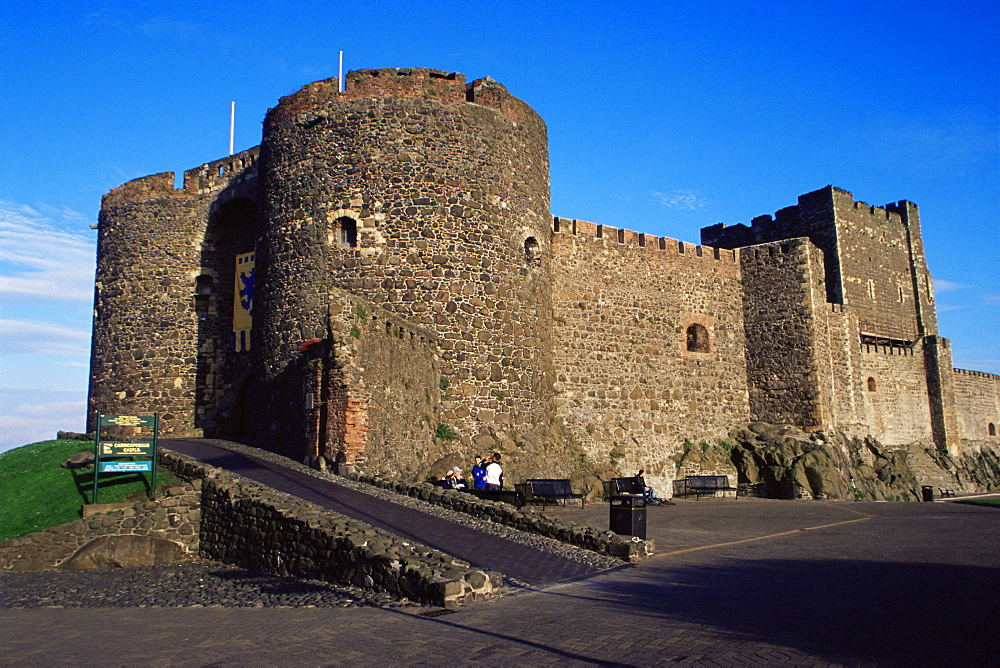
(253, 526)
(627, 548)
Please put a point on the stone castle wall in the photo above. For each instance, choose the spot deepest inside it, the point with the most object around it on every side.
(977, 396)
(145, 332)
(894, 394)
(782, 369)
(387, 370)
(883, 267)
(873, 257)
(628, 386)
(162, 339)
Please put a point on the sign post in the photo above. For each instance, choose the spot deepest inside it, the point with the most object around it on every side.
(137, 455)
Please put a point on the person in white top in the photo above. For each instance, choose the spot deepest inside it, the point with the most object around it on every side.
(494, 473)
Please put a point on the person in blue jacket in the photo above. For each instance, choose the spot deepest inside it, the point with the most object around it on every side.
(479, 474)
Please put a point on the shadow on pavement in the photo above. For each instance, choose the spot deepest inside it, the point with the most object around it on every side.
(912, 613)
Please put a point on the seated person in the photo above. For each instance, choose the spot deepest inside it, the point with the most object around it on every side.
(639, 486)
(454, 479)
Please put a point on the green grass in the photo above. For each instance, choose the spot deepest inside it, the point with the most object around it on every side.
(37, 493)
(981, 502)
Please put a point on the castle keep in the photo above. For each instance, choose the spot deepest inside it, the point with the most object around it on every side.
(381, 283)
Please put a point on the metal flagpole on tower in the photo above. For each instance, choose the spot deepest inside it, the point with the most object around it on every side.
(232, 124)
(340, 74)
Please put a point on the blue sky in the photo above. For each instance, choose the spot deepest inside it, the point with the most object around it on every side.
(663, 117)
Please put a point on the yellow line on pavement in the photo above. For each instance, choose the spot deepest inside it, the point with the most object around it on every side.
(751, 540)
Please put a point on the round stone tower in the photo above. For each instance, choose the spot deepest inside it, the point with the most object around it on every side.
(429, 197)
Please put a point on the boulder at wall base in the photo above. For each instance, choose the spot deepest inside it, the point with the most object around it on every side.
(124, 552)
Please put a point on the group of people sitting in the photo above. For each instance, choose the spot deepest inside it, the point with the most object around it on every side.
(487, 473)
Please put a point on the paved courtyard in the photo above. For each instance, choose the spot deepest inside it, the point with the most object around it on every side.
(734, 582)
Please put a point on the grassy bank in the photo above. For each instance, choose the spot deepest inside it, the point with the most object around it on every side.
(992, 502)
(37, 493)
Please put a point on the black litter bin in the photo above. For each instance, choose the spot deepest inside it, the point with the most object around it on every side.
(928, 492)
(628, 516)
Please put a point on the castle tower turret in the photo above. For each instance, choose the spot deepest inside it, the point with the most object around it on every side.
(429, 197)
(163, 302)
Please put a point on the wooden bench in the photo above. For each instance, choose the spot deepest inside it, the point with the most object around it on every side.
(707, 484)
(945, 493)
(549, 489)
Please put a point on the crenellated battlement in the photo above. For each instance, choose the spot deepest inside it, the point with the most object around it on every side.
(977, 374)
(208, 178)
(583, 228)
(401, 82)
(231, 170)
(793, 221)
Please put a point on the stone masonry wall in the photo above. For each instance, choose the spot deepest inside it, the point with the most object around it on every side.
(873, 257)
(782, 370)
(629, 388)
(388, 368)
(162, 339)
(977, 395)
(837, 350)
(896, 409)
(883, 273)
(144, 345)
(176, 517)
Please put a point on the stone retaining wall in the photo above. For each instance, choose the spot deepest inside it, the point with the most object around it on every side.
(247, 524)
(175, 517)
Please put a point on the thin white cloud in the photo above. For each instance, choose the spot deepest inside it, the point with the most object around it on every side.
(42, 256)
(687, 200)
(992, 300)
(944, 285)
(22, 336)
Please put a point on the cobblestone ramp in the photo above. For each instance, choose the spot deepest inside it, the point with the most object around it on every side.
(527, 565)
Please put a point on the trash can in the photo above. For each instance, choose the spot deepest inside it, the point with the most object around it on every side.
(928, 492)
(628, 516)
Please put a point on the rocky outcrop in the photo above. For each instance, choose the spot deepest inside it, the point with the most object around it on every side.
(782, 461)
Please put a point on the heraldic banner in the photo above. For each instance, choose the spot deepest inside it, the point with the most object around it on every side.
(243, 301)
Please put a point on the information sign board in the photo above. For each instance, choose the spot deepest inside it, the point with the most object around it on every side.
(109, 455)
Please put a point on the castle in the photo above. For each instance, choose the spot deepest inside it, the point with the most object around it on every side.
(380, 283)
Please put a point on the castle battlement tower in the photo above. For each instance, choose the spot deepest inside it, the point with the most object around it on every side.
(429, 197)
